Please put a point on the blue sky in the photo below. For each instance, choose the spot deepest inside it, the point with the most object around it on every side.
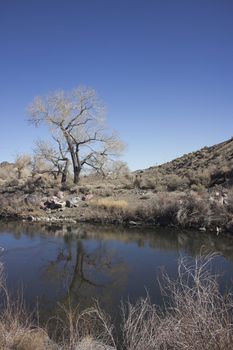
(163, 67)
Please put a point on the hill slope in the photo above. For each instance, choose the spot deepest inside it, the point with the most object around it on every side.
(208, 166)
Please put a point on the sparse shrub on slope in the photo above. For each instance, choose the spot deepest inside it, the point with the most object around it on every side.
(175, 182)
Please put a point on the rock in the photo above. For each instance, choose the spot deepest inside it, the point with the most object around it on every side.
(53, 203)
(87, 197)
(72, 202)
(134, 223)
(43, 206)
(60, 195)
(31, 199)
(90, 344)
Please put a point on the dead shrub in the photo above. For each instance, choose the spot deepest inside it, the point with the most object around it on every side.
(90, 326)
(197, 316)
(194, 211)
(162, 208)
(174, 182)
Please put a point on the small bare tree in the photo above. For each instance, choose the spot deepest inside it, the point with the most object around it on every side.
(21, 163)
(119, 168)
(54, 160)
(78, 117)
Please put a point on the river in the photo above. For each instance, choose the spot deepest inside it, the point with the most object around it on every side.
(78, 264)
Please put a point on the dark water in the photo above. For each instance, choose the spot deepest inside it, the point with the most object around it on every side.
(77, 264)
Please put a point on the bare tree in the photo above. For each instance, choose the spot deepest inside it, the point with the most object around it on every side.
(21, 163)
(54, 159)
(119, 168)
(78, 117)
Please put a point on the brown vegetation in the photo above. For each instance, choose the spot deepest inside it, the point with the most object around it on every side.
(207, 167)
(195, 316)
(193, 191)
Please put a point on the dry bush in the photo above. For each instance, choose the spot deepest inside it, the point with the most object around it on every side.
(194, 211)
(162, 208)
(174, 182)
(102, 190)
(199, 188)
(197, 316)
(200, 177)
(150, 182)
(17, 330)
(23, 165)
(180, 209)
(91, 326)
(8, 172)
(128, 184)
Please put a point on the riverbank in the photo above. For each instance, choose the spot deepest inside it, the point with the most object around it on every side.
(205, 210)
(194, 191)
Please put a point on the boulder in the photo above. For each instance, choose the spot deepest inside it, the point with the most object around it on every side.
(60, 194)
(72, 202)
(53, 203)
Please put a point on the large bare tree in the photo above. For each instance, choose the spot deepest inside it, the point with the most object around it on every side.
(78, 118)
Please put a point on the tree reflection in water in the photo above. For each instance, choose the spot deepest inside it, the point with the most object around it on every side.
(87, 274)
(75, 264)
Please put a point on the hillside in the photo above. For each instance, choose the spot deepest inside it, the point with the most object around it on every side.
(207, 167)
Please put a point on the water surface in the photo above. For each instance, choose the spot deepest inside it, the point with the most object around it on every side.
(79, 263)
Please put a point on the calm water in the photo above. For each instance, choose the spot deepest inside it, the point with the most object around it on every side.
(58, 264)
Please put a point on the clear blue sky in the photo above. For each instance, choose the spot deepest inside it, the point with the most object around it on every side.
(163, 67)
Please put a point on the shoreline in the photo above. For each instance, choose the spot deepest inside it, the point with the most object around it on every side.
(55, 219)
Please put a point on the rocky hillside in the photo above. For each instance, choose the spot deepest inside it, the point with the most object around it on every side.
(207, 167)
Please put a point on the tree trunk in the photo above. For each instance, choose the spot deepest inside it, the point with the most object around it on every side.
(76, 176)
(76, 168)
(74, 157)
(65, 171)
(19, 173)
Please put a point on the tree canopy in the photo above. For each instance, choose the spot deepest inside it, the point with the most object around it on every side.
(77, 121)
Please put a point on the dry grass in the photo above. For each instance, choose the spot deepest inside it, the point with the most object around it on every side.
(110, 204)
(17, 330)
